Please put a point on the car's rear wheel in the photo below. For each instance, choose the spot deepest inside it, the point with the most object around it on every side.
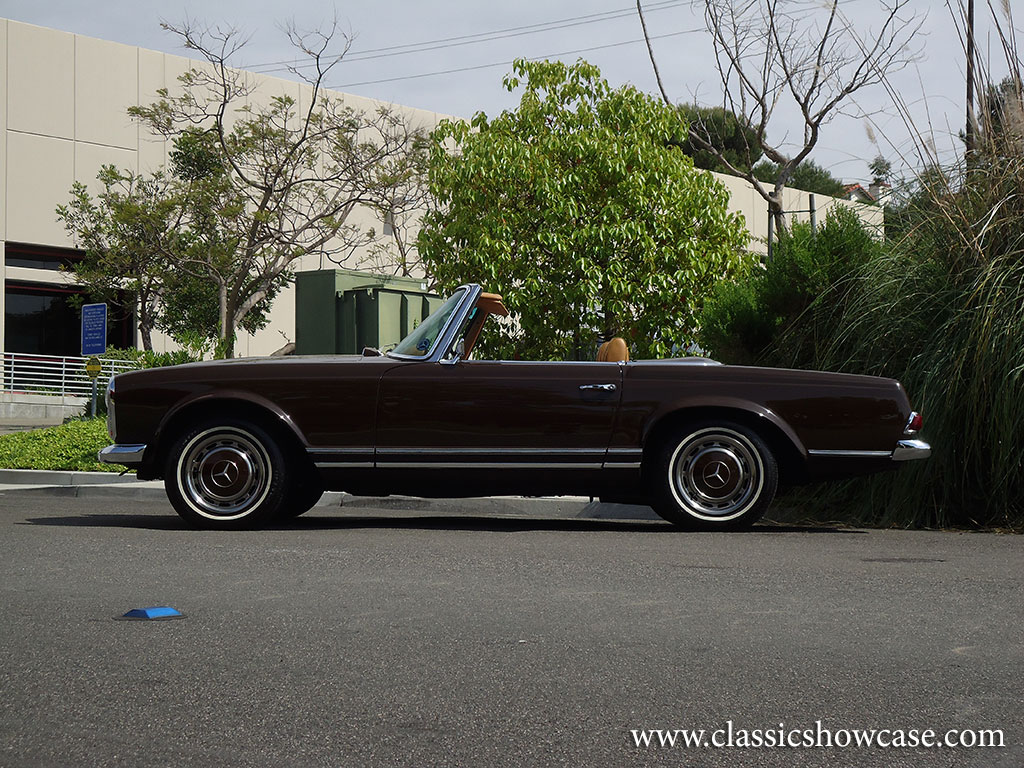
(227, 474)
(717, 476)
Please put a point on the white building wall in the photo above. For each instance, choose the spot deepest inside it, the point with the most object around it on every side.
(4, 194)
(748, 201)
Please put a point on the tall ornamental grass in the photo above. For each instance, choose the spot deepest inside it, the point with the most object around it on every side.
(943, 311)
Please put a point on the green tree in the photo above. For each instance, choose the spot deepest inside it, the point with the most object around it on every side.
(267, 183)
(129, 233)
(881, 170)
(139, 234)
(807, 176)
(577, 207)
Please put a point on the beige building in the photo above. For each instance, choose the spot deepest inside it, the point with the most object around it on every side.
(65, 98)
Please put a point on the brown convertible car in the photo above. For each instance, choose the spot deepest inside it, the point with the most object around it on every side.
(243, 442)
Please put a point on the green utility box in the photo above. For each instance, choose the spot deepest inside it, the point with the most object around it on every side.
(340, 311)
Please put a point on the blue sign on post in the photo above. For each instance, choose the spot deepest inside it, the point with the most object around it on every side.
(94, 329)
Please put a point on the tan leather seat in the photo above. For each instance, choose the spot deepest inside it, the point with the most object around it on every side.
(614, 350)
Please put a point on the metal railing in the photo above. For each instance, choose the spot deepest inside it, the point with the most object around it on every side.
(25, 373)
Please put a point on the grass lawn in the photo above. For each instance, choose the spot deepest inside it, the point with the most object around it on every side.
(71, 446)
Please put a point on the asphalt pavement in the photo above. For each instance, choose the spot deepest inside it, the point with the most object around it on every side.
(396, 634)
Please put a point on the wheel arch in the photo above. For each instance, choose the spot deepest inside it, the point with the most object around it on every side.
(786, 447)
(239, 405)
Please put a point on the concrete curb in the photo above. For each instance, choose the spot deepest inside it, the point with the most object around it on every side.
(52, 477)
(103, 485)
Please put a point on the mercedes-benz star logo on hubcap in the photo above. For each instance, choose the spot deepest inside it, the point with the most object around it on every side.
(225, 473)
(716, 475)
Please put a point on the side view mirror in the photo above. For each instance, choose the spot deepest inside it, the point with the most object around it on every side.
(458, 353)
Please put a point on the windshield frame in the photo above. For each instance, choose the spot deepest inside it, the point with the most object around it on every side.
(444, 339)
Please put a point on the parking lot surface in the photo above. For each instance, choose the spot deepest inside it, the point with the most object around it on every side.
(411, 637)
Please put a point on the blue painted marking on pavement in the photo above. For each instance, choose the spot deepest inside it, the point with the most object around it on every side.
(154, 612)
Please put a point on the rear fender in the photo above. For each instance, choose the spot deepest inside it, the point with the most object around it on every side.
(694, 406)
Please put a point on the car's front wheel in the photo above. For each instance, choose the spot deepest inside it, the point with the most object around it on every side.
(226, 474)
(716, 476)
(307, 491)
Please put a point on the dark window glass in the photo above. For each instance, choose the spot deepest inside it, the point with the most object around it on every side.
(39, 257)
(38, 320)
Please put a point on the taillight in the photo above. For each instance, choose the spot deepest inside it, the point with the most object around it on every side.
(913, 423)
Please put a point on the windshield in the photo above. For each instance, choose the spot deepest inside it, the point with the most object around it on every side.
(423, 337)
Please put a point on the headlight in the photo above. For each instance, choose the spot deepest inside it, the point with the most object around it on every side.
(110, 409)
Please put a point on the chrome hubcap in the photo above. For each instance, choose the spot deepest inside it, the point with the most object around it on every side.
(716, 474)
(224, 472)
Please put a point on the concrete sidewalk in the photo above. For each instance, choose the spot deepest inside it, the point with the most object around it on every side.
(108, 485)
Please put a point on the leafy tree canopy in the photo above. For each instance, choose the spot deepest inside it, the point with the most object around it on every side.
(129, 236)
(580, 210)
(881, 170)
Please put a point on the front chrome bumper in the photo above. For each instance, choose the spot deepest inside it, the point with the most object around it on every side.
(908, 450)
(122, 454)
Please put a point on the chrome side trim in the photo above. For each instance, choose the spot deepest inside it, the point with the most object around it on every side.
(908, 450)
(852, 454)
(491, 451)
(122, 454)
(342, 451)
(604, 363)
(486, 465)
(466, 458)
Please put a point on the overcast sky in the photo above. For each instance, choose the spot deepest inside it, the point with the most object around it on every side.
(605, 32)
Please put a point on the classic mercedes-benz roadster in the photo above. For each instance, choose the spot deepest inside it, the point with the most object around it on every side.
(241, 443)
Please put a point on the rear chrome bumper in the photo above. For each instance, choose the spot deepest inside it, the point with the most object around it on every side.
(908, 450)
(127, 455)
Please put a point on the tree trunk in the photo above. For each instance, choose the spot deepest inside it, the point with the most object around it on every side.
(226, 344)
(775, 209)
(147, 339)
(611, 325)
(146, 325)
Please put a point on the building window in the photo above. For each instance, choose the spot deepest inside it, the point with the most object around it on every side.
(38, 320)
(40, 257)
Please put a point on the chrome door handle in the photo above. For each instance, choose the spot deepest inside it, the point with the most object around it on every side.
(602, 387)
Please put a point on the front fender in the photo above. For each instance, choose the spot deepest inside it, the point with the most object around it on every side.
(185, 409)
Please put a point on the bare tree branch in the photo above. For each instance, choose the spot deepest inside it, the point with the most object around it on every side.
(810, 52)
(282, 183)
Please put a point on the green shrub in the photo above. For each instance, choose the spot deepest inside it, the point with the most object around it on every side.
(71, 446)
(797, 296)
(148, 359)
(940, 309)
(942, 313)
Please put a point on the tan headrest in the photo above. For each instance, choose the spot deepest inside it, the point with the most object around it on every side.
(614, 350)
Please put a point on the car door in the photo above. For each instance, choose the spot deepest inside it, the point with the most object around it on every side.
(497, 414)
